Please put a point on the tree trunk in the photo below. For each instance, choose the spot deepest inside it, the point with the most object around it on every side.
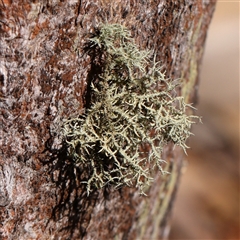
(43, 77)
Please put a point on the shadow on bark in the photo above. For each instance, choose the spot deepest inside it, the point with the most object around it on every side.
(73, 206)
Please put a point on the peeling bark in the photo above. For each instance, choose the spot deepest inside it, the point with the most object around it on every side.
(43, 77)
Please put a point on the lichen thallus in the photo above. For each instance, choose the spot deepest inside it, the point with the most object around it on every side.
(133, 113)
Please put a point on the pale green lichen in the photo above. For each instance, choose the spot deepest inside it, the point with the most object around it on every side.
(133, 112)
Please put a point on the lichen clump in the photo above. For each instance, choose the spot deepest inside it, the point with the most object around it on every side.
(133, 113)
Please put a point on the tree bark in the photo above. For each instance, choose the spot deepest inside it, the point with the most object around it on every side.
(43, 77)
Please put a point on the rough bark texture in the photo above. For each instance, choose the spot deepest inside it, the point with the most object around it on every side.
(43, 76)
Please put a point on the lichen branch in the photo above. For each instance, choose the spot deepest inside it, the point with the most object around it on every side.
(130, 99)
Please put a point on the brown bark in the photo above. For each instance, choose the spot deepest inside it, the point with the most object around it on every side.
(43, 74)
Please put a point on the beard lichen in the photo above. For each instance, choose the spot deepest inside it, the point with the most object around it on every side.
(132, 112)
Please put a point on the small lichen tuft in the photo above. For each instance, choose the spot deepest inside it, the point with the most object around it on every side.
(132, 113)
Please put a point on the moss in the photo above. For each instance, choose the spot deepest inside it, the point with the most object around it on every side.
(131, 113)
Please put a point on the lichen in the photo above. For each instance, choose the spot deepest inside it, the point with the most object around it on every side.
(132, 112)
